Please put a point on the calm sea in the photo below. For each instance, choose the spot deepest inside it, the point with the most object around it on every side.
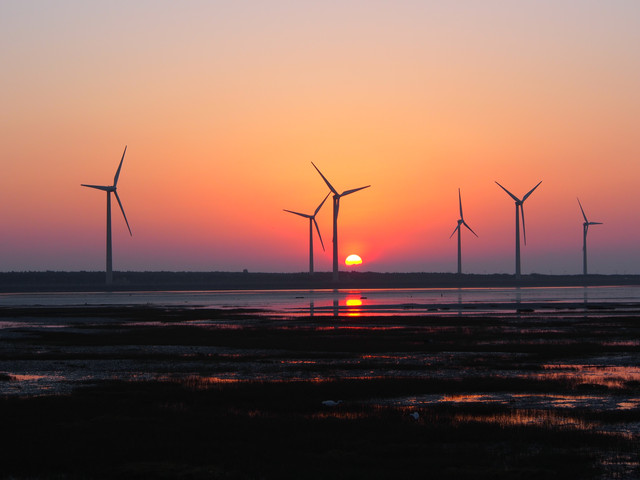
(370, 301)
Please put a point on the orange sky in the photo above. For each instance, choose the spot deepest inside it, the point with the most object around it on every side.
(224, 106)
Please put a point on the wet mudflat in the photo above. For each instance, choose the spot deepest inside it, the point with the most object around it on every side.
(144, 391)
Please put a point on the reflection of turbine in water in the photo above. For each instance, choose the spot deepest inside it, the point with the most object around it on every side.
(111, 189)
(586, 295)
(519, 208)
(585, 229)
(312, 222)
(336, 209)
(458, 229)
(518, 301)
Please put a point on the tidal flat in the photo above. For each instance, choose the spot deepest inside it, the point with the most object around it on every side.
(171, 392)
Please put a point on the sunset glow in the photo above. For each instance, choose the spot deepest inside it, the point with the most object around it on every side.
(224, 105)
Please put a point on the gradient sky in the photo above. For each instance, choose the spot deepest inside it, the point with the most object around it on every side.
(224, 105)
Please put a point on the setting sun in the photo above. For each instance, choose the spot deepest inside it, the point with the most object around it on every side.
(353, 259)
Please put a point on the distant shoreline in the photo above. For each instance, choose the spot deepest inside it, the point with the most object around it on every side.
(53, 281)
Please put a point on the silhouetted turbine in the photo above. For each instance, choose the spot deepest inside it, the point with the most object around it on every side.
(519, 208)
(312, 221)
(458, 229)
(336, 209)
(585, 229)
(109, 189)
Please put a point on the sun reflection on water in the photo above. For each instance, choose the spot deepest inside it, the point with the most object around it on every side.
(354, 306)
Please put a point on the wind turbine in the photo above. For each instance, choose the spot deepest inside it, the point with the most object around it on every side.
(458, 229)
(336, 209)
(585, 229)
(519, 208)
(312, 221)
(109, 189)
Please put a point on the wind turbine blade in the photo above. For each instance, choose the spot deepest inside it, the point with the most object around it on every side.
(510, 194)
(349, 192)
(97, 187)
(524, 232)
(460, 202)
(531, 191)
(325, 180)
(455, 230)
(123, 214)
(296, 213)
(318, 230)
(465, 224)
(595, 223)
(582, 210)
(115, 179)
(320, 206)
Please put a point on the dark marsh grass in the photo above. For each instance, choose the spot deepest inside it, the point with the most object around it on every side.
(238, 394)
(275, 430)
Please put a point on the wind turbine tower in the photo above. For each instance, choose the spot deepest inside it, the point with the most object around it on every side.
(458, 229)
(585, 229)
(519, 208)
(312, 222)
(111, 189)
(336, 209)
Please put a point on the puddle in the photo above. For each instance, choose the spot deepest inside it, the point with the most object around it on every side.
(610, 376)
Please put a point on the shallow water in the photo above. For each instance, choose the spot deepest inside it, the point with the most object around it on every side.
(332, 302)
(555, 358)
(583, 340)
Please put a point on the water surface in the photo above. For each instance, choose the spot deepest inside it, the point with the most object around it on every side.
(329, 302)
